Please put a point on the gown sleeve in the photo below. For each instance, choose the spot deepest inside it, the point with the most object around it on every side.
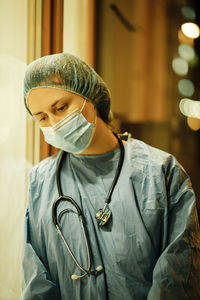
(176, 274)
(36, 280)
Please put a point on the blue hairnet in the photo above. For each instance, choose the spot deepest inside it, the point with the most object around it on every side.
(68, 72)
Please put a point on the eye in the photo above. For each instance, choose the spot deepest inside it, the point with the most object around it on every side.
(42, 119)
(62, 107)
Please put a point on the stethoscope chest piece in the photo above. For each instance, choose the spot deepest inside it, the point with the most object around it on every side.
(103, 215)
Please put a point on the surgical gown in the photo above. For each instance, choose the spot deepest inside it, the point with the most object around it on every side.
(149, 250)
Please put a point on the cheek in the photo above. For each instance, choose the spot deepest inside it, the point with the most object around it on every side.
(90, 113)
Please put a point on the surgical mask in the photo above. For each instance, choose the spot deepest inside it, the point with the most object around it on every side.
(72, 134)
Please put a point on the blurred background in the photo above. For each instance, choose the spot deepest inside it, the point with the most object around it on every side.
(148, 54)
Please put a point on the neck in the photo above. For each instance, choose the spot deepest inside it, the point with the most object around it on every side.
(103, 140)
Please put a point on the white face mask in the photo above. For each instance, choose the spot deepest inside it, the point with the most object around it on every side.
(72, 134)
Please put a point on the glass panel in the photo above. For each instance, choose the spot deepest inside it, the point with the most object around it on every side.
(12, 144)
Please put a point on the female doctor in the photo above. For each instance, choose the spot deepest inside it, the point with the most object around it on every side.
(106, 218)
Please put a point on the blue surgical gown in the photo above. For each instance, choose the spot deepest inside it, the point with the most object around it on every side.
(149, 250)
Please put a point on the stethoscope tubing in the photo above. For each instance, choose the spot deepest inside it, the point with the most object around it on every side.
(119, 167)
(79, 211)
(55, 205)
(70, 251)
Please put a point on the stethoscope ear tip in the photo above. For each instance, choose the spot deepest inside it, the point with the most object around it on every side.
(95, 272)
(74, 277)
(99, 268)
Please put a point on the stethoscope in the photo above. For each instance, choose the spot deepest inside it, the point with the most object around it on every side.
(102, 215)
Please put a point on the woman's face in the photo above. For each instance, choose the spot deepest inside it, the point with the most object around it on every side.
(50, 105)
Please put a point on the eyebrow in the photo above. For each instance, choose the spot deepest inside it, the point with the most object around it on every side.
(54, 104)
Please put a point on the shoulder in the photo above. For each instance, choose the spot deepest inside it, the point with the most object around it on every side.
(141, 154)
(157, 172)
(43, 169)
(42, 179)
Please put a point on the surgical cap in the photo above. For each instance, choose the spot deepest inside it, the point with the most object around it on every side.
(68, 72)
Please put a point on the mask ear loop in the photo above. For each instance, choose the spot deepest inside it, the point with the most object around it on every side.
(94, 124)
(95, 120)
(83, 106)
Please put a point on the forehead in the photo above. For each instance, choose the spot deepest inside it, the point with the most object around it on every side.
(45, 92)
(42, 97)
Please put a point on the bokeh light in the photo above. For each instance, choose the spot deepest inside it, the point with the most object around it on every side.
(190, 108)
(184, 106)
(193, 123)
(180, 66)
(183, 39)
(186, 52)
(188, 12)
(191, 30)
(186, 87)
